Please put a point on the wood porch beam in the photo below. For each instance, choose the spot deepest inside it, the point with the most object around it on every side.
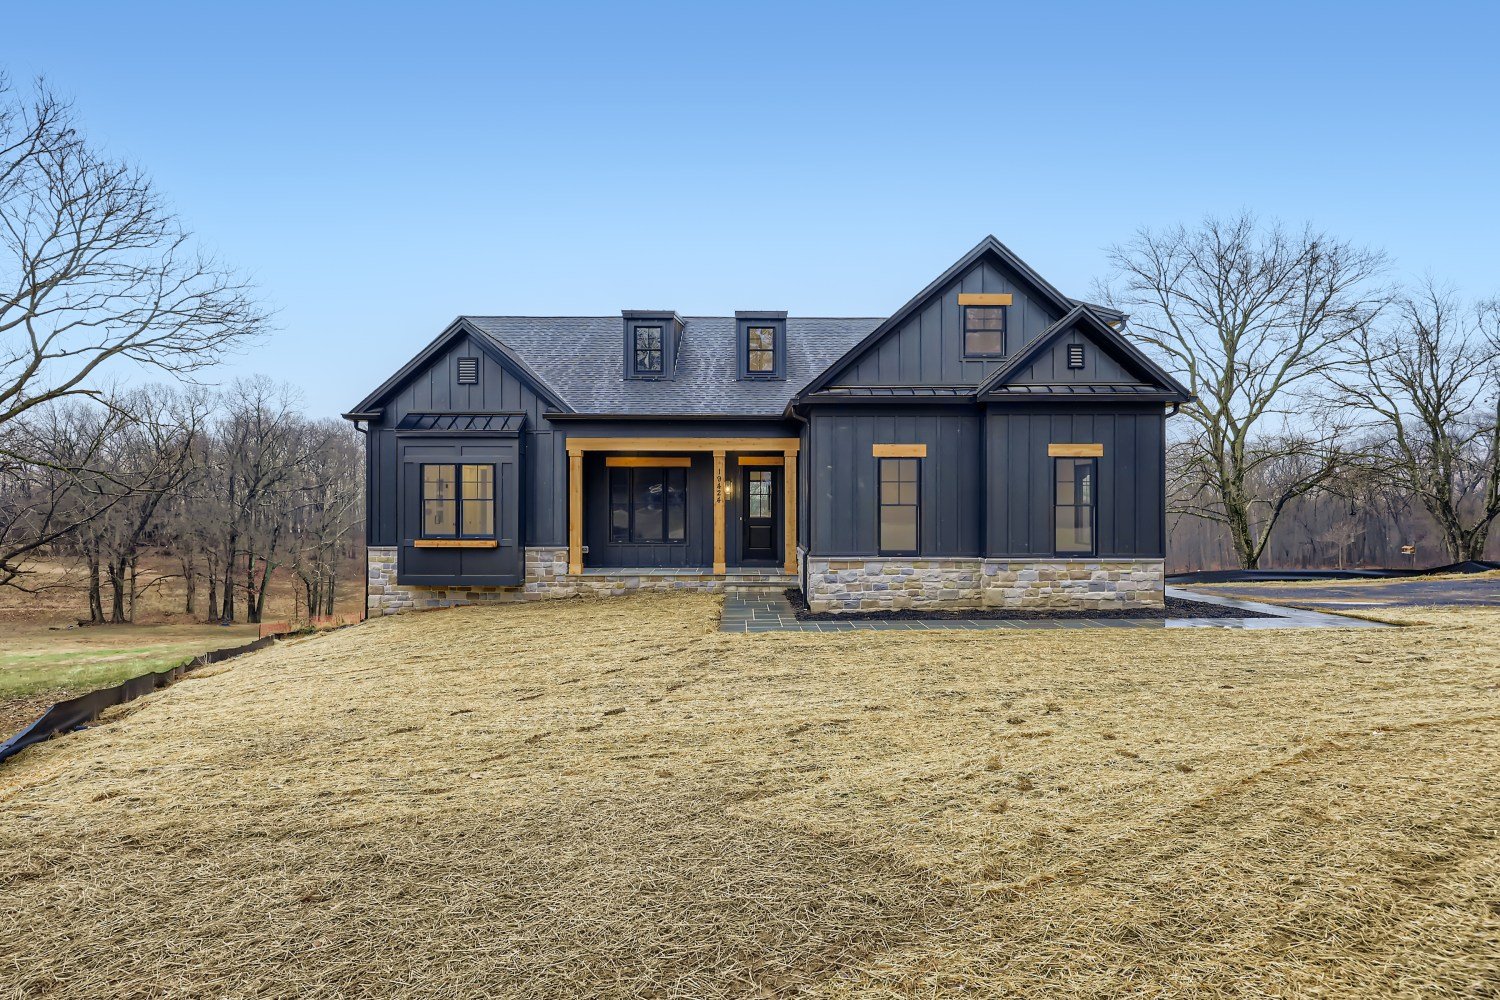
(789, 507)
(719, 561)
(575, 513)
(581, 445)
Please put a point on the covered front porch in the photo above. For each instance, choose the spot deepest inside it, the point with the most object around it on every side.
(636, 505)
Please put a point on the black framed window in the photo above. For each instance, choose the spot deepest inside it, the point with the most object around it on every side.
(648, 352)
(648, 506)
(760, 350)
(1077, 492)
(900, 502)
(984, 331)
(458, 501)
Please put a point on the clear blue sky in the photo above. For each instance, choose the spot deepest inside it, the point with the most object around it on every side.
(383, 168)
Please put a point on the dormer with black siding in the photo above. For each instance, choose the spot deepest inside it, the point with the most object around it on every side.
(653, 340)
(760, 345)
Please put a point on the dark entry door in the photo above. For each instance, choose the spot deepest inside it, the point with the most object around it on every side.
(761, 490)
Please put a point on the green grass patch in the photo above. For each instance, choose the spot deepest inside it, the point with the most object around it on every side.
(35, 673)
(85, 660)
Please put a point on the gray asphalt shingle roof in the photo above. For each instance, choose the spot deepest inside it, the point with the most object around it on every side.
(582, 359)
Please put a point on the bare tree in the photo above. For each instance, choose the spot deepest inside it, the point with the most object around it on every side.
(1432, 376)
(93, 269)
(53, 479)
(154, 458)
(333, 482)
(262, 445)
(1249, 317)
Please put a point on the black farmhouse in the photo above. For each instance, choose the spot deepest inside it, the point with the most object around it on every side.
(993, 443)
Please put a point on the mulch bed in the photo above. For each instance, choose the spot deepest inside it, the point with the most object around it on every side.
(1176, 607)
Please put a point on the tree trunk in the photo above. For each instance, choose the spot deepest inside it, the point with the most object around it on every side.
(252, 605)
(134, 589)
(117, 591)
(190, 601)
(227, 617)
(96, 598)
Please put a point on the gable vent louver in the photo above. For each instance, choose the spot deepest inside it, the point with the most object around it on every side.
(1075, 356)
(468, 371)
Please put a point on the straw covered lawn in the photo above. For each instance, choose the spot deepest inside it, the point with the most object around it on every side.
(612, 799)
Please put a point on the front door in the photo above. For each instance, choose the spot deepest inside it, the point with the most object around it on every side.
(761, 489)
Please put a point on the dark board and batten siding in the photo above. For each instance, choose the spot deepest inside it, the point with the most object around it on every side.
(436, 389)
(1131, 477)
(844, 478)
(1051, 366)
(927, 349)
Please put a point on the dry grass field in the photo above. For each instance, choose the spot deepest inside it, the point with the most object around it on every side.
(612, 799)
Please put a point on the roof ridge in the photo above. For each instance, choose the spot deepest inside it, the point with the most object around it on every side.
(616, 316)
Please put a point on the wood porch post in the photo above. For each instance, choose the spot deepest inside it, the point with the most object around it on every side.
(719, 567)
(789, 506)
(575, 512)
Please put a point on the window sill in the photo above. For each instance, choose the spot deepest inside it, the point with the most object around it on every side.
(455, 543)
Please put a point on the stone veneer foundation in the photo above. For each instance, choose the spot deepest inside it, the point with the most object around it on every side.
(547, 577)
(832, 584)
(1045, 584)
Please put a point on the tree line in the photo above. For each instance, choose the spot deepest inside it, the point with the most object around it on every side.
(219, 489)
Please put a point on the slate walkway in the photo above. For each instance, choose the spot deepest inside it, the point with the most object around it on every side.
(771, 612)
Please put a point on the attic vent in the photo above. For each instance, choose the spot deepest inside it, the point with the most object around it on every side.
(1075, 356)
(468, 371)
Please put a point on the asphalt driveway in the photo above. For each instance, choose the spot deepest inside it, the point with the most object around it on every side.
(1476, 591)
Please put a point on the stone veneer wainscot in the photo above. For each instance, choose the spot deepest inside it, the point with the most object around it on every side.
(546, 577)
(873, 584)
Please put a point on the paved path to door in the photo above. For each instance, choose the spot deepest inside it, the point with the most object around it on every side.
(772, 612)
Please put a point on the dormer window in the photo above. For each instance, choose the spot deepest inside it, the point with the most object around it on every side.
(648, 353)
(653, 341)
(761, 344)
(762, 350)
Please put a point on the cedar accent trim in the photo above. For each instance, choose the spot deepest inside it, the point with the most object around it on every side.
(775, 460)
(648, 462)
(580, 445)
(899, 450)
(789, 512)
(454, 543)
(719, 557)
(984, 299)
(575, 513)
(1075, 451)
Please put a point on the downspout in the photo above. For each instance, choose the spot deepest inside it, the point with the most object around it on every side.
(364, 611)
(805, 482)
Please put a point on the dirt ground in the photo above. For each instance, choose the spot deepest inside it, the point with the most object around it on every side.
(614, 799)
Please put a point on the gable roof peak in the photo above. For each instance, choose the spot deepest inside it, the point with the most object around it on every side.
(1102, 333)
